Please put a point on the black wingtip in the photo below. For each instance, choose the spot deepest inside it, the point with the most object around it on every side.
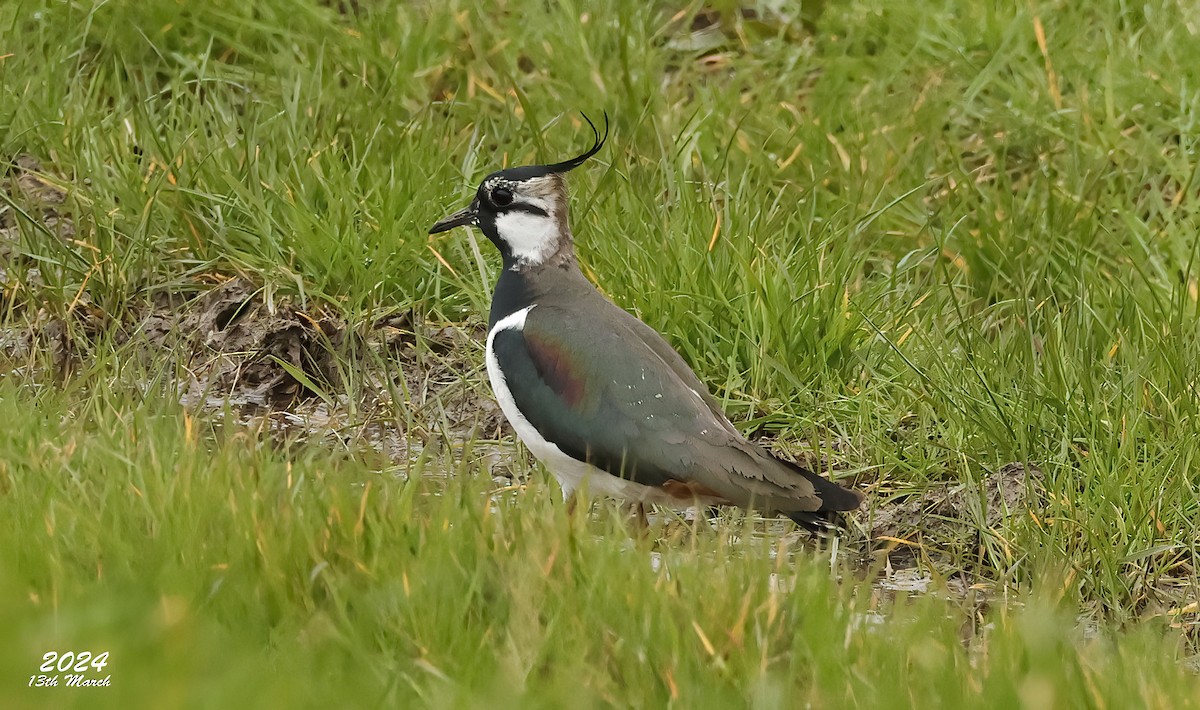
(834, 498)
(598, 142)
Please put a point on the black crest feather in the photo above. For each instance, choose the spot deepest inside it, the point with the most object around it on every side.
(597, 144)
(528, 172)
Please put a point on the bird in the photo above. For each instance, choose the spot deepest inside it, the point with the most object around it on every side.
(600, 398)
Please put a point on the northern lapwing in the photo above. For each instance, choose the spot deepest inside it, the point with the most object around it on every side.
(599, 397)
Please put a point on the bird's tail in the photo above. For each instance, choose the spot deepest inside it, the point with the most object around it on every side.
(833, 497)
(834, 500)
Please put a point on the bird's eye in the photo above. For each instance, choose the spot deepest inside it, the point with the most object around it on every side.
(502, 196)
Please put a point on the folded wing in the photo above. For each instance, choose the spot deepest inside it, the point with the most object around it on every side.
(602, 393)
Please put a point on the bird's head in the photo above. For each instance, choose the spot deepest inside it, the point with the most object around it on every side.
(523, 210)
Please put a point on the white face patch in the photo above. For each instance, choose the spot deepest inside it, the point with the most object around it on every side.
(532, 237)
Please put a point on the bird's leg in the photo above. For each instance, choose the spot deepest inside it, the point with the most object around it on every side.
(635, 512)
(576, 519)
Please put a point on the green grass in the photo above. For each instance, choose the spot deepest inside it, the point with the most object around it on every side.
(904, 237)
(218, 570)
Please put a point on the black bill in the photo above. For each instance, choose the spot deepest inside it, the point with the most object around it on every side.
(458, 219)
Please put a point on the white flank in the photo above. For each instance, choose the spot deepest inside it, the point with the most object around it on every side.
(531, 237)
(571, 473)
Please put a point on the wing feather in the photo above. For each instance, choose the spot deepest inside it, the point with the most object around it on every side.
(601, 393)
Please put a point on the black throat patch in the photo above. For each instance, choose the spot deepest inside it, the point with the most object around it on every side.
(512, 293)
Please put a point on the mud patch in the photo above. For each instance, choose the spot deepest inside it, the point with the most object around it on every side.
(34, 195)
(31, 200)
(436, 370)
(34, 210)
(248, 351)
(396, 386)
(952, 516)
(1005, 492)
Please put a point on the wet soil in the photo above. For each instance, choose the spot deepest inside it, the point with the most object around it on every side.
(395, 386)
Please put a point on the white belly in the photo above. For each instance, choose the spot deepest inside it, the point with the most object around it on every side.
(572, 474)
